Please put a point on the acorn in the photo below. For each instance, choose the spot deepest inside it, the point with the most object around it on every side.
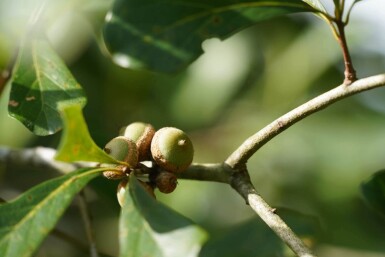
(123, 187)
(172, 149)
(142, 134)
(166, 181)
(121, 191)
(123, 149)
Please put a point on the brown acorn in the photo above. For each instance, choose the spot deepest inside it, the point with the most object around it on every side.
(172, 149)
(142, 134)
(166, 181)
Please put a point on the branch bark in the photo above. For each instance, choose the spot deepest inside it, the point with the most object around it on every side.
(242, 184)
(39, 157)
(240, 156)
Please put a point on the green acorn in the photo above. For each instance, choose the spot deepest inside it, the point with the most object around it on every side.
(172, 149)
(123, 187)
(121, 191)
(123, 149)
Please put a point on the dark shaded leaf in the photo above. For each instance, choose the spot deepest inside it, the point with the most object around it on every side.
(149, 228)
(41, 81)
(26, 221)
(167, 35)
(255, 239)
(374, 191)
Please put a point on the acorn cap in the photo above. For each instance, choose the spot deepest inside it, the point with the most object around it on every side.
(123, 149)
(172, 149)
(141, 133)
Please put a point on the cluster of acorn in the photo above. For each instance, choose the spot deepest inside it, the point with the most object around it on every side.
(156, 156)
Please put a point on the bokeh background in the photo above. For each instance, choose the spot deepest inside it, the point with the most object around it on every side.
(237, 87)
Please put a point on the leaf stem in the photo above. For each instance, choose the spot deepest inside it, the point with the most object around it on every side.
(350, 11)
(350, 73)
(86, 217)
(342, 8)
(338, 28)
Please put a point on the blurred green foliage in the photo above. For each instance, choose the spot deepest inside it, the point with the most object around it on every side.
(237, 87)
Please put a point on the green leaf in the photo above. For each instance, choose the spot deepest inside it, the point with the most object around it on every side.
(254, 238)
(26, 221)
(149, 228)
(316, 4)
(165, 35)
(374, 191)
(41, 81)
(250, 239)
(76, 143)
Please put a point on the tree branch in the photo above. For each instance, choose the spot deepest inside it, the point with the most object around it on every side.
(87, 220)
(39, 157)
(242, 184)
(215, 172)
(240, 156)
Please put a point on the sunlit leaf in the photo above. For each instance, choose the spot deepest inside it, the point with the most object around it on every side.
(167, 35)
(41, 81)
(76, 143)
(316, 4)
(26, 221)
(149, 228)
(374, 191)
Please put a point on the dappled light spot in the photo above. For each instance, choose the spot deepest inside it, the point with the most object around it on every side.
(121, 59)
(30, 98)
(13, 103)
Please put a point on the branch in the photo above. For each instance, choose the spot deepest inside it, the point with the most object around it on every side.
(240, 156)
(242, 184)
(215, 172)
(87, 220)
(39, 157)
